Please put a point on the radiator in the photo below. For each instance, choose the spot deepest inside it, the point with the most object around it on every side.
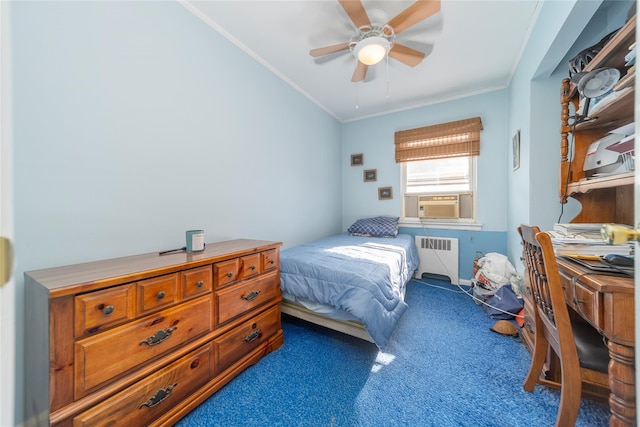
(438, 255)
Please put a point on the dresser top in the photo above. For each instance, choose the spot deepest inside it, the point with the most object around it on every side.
(98, 274)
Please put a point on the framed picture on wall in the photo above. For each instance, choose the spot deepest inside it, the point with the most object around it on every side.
(357, 159)
(516, 150)
(385, 193)
(370, 175)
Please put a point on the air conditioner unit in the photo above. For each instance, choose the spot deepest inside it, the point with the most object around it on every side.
(440, 206)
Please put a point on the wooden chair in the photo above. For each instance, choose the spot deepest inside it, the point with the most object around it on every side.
(579, 347)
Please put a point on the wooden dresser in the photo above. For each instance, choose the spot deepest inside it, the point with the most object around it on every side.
(142, 340)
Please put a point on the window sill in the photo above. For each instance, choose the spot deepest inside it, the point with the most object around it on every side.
(452, 225)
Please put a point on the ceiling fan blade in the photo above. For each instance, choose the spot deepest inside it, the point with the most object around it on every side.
(329, 49)
(420, 10)
(406, 55)
(360, 72)
(356, 12)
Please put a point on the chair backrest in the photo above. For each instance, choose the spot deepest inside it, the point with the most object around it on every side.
(550, 305)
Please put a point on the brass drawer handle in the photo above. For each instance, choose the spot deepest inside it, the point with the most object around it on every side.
(253, 267)
(108, 310)
(200, 283)
(250, 296)
(271, 261)
(253, 336)
(159, 336)
(160, 395)
(229, 274)
(161, 295)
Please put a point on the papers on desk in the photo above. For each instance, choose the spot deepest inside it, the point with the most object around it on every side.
(594, 264)
(584, 239)
(599, 250)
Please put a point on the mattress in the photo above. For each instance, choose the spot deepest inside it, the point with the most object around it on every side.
(362, 278)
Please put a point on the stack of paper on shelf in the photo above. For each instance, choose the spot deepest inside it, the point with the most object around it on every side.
(584, 239)
(630, 58)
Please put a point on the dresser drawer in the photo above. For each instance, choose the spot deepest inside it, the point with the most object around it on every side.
(250, 266)
(567, 288)
(235, 300)
(148, 399)
(99, 310)
(270, 260)
(225, 273)
(157, 292)
(103, 357)
(197, 281)
(235, 344)
(588, 305)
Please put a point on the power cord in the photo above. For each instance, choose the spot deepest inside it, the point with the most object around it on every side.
(481, 301)
(566, 181)
(170, 251)
(471, 295)
(458, 285)
(440, 287)
(182, 249)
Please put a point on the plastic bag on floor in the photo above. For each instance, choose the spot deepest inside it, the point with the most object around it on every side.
(494, 271)
(504, 304)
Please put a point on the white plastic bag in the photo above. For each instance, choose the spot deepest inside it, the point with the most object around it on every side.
(494, 271)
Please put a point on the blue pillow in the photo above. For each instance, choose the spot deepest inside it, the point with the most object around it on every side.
(380, 226)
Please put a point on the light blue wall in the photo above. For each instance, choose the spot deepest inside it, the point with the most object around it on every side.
(135, 121)
(374, 138)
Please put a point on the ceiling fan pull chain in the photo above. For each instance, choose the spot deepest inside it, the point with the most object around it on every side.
(387, 73)
(357, 106)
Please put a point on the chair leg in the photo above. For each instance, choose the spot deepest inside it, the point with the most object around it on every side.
(570, 396)
(537, 362)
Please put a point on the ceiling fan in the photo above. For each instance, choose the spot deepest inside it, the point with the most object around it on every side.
(376, 37)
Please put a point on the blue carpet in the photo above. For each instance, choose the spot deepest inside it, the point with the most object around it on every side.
(442, 367)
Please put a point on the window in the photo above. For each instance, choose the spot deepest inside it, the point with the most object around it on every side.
(451, 175)
(438, 170)
(439, 189)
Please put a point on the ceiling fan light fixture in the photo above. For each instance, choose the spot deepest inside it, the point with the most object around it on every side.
(372, 50)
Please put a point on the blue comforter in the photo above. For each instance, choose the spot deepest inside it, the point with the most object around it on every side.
(364, 276)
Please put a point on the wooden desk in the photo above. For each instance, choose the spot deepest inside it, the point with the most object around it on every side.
(607, 303)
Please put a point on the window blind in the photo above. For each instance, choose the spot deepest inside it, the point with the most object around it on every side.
(452, 139)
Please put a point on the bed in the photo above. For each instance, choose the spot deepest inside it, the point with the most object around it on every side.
(351, 282)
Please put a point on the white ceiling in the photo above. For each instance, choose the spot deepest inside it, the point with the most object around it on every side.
(473, 46)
